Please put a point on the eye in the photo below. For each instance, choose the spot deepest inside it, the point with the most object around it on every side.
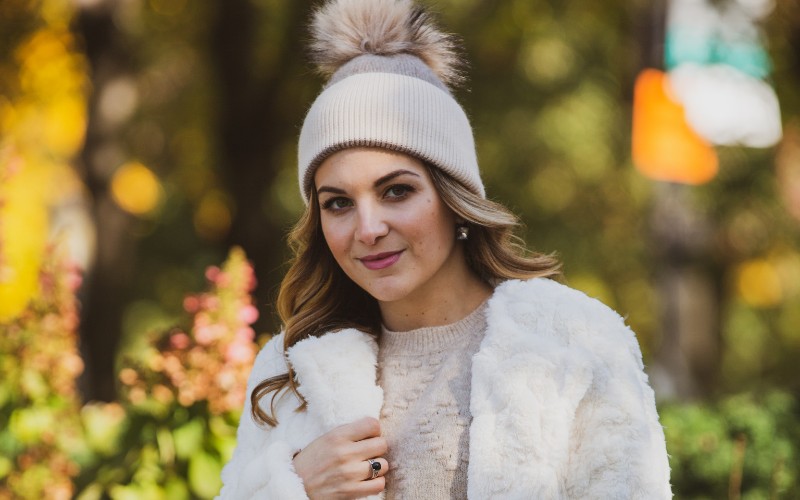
(398, 191)
(336, 204)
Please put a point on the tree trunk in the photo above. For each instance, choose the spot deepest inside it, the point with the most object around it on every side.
(108, 281)
(258, 114)
(687, 362)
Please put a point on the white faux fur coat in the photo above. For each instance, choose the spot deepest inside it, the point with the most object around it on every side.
(560, 405)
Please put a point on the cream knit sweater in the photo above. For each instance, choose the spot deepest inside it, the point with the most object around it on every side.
(425, 375)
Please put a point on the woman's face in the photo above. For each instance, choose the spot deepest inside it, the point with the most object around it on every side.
(386, 225)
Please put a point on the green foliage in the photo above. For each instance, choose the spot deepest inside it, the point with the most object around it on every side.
(171, 455)
(39, 362)
(182, 395)
(745, 446)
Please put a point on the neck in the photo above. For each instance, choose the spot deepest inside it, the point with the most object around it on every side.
(436, 305)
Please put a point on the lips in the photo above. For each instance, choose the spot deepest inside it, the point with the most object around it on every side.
(380, 260)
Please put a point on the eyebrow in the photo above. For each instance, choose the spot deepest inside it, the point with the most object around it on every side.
(382, 180)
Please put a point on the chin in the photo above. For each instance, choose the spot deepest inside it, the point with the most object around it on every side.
(387, 292)
(386, 295)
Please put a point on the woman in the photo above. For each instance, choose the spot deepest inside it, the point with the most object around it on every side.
(424, 353)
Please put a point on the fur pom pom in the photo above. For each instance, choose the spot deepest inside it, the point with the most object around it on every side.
(344, 29)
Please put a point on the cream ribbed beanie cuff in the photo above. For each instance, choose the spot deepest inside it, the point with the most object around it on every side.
(388, 70)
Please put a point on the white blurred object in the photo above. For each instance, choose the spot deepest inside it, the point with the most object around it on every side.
(756, 9)
(726, 106)
(71, 224)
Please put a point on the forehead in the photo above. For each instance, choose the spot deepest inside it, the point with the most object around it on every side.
(355, 165)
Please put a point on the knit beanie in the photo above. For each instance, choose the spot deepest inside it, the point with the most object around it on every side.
(389, 73)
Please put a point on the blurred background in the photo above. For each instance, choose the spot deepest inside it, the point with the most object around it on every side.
(148, 180)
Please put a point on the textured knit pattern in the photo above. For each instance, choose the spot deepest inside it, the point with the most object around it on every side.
(426, 377)
(390, 111)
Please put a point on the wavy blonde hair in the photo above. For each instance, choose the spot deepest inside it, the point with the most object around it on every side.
(316, 296)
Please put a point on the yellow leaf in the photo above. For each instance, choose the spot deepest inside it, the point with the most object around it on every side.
(64, 126)
(23, 235)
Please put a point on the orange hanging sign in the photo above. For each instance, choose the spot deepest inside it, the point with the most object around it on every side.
(664, 147)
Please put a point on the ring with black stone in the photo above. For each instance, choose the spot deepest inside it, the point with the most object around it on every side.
(374, 468)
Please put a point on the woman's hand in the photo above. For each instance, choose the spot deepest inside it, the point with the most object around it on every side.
(335, 465)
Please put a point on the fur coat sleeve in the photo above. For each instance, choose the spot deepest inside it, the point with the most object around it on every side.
(617, 445)
(336, 375)
(261, 466)
(560, 402)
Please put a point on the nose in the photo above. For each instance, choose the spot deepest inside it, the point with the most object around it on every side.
(371, 224)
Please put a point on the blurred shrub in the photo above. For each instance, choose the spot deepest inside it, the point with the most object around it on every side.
(39, 408)
(175, 425)
(181, 398)
(745, 446)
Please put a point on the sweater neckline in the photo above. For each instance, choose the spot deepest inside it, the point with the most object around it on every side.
(435, 338)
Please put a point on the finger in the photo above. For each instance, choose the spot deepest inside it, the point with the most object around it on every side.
(363, 428)
(380, 467)
(367, 488)
(369, 448)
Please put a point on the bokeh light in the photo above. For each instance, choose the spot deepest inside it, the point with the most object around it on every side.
(665, 147)
(213, 215)
(758, 283)
(136, 189)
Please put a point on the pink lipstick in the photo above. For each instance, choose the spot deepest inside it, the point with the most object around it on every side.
(381, 260)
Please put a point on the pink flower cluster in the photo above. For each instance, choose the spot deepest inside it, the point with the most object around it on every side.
(38, 377)
(211, 360)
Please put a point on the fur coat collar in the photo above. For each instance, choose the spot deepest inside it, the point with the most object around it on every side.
(560, 405)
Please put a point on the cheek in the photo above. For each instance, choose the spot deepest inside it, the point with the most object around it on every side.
(336, 238)
(433, 231)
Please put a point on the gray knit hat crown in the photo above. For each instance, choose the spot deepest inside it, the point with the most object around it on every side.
(389, 69)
